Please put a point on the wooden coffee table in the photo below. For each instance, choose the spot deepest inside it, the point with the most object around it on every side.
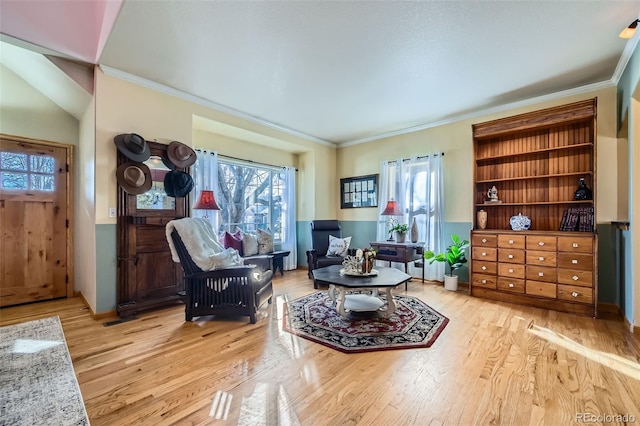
(340, 283)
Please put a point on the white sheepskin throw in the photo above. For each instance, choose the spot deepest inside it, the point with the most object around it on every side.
(202, 244)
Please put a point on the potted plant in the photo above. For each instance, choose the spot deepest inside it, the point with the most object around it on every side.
(454, 256)
(400, 230)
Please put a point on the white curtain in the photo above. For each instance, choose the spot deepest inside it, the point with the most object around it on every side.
(206, 178)
(289, 238)
(417, 185)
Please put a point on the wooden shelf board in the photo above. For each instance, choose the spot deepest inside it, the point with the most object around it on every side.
(537, 203)
(537, 151)
(555, 175)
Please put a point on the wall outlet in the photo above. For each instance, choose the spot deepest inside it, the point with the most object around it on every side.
(112, 212)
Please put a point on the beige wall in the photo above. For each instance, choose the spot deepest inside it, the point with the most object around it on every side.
(84, 212)
(456, 141)
(27, 112)
(123, 107)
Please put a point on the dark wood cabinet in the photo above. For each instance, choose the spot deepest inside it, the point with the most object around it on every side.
(147, 277)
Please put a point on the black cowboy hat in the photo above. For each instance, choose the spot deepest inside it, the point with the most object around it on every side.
(177, 183)
(180, 155)
(133, 146)
(135, 178)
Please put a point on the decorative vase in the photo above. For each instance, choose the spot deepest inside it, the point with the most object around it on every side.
(482, 219)
(367, 265)
(414, 231)
(400, 236)
(520, 222)
(451, 282)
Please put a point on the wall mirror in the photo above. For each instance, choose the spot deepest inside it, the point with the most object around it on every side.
(156, 198)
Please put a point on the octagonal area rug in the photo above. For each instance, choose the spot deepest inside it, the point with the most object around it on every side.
(414, 324)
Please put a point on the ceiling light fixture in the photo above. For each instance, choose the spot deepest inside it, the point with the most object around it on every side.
(630, 31)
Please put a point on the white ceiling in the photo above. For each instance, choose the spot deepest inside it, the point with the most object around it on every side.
(342, 71)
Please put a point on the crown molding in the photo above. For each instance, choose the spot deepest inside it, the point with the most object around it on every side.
(215, 106)
(624, 58)
(486, 111)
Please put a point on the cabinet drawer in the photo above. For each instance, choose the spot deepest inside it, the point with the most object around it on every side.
(541, 273)
(484, 240)
(510, 255)
(511, 270)
(575, 244)
(575, 294)
(486, 281)
(511, 241)
(484, 253)
(583, 262)
(484, 267)
(537, 288)
(542, 258)
(513, 285)
(538, 242)
(573, 277)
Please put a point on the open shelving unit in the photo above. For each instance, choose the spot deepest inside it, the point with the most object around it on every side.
(535, 161)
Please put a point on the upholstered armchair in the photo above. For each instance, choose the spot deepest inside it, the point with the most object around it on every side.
(231, 290)
(317, 257)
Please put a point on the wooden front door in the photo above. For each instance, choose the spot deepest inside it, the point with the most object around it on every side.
(34, 203)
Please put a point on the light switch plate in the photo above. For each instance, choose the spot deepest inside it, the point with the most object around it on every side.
(112, 212)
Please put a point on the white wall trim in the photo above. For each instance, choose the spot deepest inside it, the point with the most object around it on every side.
(487, 111)
(215, 106)
(624, 58)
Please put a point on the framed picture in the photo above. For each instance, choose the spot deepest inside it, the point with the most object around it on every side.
(359, 191)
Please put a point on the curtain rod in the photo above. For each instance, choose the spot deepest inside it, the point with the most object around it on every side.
(247, 161)
(418, 157)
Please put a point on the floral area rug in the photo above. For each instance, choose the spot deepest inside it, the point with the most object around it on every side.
(413, 325)
(37, 383)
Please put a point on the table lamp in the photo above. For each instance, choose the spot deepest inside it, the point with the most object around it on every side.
(206, 201)
(392, 209)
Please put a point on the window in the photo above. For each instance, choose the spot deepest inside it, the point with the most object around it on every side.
(19, 171)
(250, 197)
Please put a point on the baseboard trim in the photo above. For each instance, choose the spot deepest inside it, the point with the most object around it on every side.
(634, 329)
(609, 308)
(95, 316)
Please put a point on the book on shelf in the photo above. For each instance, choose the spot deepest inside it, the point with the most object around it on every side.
(577, 219)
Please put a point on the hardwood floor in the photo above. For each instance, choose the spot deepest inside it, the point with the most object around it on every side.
(494, 363)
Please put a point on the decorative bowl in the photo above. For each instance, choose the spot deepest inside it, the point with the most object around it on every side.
(520, 222)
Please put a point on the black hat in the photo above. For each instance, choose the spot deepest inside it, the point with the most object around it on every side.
(133, 146)
(135, 178)
(177, 183)
(180, 155)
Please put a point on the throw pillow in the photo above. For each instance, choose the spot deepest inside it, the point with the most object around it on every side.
(233, 241)
(249, 244)
(338, 246)
(265, 241)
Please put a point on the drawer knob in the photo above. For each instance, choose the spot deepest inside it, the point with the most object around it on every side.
(541, 243)
(575, 245)
(510, 256)
(541, 258)
(484, 281)
(511, 285)
(484, 268)
(510, 271)
(575, 294)
(575, 261)
(484, 240)
(541, 274)
(510, 241)
(575, 278)
(484, 254)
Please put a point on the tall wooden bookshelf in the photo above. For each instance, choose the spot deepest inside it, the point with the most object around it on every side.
(535, 161)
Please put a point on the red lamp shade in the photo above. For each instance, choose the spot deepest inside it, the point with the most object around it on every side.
(206, 201)
(392, 209)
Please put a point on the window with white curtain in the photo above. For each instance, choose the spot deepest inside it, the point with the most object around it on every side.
(251, 196)
(417, 185)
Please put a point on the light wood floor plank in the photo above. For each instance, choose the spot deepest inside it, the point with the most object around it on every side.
(495, 363)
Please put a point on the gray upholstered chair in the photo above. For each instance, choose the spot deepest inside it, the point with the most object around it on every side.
(235, 290)
(317, 257)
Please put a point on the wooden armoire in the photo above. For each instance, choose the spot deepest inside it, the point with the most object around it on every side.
(535, 161)
(147, 277)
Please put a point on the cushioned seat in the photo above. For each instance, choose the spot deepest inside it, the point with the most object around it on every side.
(232, 290)
(317, 257)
